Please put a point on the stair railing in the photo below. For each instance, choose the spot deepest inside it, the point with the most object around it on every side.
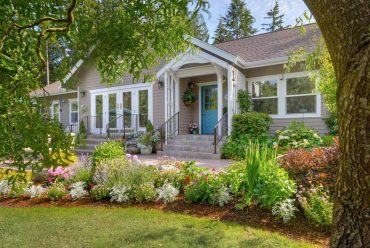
(170, 128)
(122, 124)
(219, 131)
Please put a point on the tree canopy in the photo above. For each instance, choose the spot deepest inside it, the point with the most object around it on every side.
(200, 29)
(237, 23)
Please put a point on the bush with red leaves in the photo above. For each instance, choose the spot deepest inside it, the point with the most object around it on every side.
(312, 167)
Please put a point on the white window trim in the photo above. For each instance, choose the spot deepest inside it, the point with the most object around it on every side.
(52, 109)
(281, 95)
(74, 100)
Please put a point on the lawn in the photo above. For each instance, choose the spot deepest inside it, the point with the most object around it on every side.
(125, 227)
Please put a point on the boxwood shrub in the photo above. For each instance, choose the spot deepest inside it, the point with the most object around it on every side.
(246, 126)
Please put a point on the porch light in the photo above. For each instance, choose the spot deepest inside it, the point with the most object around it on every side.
(160, 84)
(83, 93)
(191, 85)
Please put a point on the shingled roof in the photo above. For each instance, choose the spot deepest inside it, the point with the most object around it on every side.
(50, 90)
(271, 45)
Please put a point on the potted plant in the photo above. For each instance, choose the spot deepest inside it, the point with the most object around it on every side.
(193, 127)
(145, 144)
(188, 98)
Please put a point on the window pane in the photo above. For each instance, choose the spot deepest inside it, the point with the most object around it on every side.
(99, 111)
(127, 108)
(74, 117)
(56, 111)
(143, 107)
(112, 111)
(74, 106)
(264, 88)
(301, 104)
(302, 85)
(268, 106)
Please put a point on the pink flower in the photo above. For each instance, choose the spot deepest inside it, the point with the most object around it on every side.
(50, 180)
(134, 157)
(128, 155)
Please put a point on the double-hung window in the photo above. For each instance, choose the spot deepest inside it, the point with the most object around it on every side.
(73, 108)
(300, 95)
(265, 96)
(290, 95)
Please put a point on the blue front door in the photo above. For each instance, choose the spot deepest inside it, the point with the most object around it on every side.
(209, 108)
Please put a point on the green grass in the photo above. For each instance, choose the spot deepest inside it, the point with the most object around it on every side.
(125, 227)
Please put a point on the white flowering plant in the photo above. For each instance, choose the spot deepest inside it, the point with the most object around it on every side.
(78, 190)
(4, 187)
(285, 210)
(223, 196)
(119, 193)
(297, 135)
(35, 191)
(167, 193)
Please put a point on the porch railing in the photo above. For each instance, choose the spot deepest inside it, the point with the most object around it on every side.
(219, 131)
(122, 125)
(170, 128)
(73, 128)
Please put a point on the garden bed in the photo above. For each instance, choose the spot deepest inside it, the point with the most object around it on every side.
(299, 228)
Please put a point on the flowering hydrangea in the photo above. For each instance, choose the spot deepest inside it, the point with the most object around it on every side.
(77, 190)
(35, 191)
(284, 209)
(223, 196)
(167, 193)
(4, 187)
(119, 194)
(133, 159)
(58, 173)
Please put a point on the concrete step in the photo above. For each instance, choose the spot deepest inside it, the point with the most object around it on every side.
(85, 151)
(192, 137)
(204, 149)
(190, 155)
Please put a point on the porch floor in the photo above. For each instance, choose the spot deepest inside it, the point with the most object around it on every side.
(206, 163)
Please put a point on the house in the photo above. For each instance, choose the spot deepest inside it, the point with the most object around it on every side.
(214, 74)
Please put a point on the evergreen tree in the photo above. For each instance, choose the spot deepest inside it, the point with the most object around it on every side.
(237, 23)
(277, 22)
(199, 27)
(222, 34)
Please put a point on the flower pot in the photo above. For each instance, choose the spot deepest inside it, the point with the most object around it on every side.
(194, 131)
(146, 150)
(188, 103)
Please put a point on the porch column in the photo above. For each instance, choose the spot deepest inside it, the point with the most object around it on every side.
(220, 94)
(230, 97)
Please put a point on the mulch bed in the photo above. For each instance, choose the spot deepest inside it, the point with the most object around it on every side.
(299, 228)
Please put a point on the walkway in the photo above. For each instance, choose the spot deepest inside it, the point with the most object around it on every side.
(207, 163)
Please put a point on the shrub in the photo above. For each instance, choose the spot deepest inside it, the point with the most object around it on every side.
(170, 177)
(328, 140)
(284, 210)
(167, 193)
(236, 178)
(296, 135)
(81, 136)
(246, 126)
(78, 190)
(58, 174)
(143, 193)
(207, 188)
(56, 191)
(100, 192)
(332, 124)
(317, 166)
(17, 189)
(244, 100)
(35, 191)
(81, 174)
(190, 171)
(108, 150)
(64, 159)
(6, 173)
(106, 171)
(316, 205)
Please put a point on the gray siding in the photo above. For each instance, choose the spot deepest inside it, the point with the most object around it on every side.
(65, 113)
(158, 105)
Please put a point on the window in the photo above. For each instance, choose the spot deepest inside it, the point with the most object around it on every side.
(291, 95)
(73, 107)
(300, 96)
(264, 96)
(55, 110)
(143, 108)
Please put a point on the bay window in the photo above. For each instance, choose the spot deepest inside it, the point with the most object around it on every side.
(285, 96)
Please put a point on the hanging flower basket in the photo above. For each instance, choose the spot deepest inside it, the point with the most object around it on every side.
(188, 98)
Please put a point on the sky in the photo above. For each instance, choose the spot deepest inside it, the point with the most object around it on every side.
(291, 8)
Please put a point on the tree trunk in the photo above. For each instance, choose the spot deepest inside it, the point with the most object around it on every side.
(345, 25)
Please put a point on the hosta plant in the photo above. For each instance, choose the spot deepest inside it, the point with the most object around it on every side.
(167, 193)
(78, 190)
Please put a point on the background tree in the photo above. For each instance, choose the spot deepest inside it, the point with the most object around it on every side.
(277, 22)
(238, 22)
(125, 36)
(347, 35)
(221, 32)
(199, 27)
